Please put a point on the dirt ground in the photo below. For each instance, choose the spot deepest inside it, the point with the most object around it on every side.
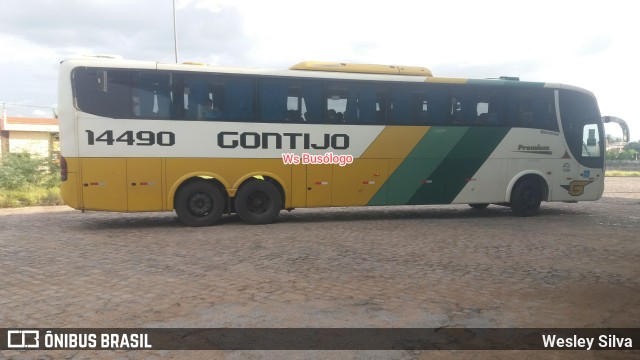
(573, 265)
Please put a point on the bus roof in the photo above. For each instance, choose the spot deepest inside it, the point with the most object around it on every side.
(315, 69)
(362, 68)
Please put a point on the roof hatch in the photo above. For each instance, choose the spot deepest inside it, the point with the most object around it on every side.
(362, 68)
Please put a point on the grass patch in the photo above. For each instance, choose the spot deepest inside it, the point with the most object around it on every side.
(621, 173)
(32, 196)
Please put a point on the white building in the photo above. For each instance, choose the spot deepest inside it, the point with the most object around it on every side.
(35, 135)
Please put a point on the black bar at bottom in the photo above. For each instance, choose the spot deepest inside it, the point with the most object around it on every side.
(324, 339)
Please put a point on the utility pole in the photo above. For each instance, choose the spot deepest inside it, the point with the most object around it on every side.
(175, 31)
(4, 136)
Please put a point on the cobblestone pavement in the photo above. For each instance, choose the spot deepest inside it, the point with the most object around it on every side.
(573, 265)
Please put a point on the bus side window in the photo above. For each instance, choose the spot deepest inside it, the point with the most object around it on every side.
(312, 107)
(339, 111)
(195, 96)
(421, 109)
(213, 106)
(463, 106)
(438, 106)
(290, 101)
(274, 97)
(482, 111)
(409, 106)
(103, 92)
(532, 109)
(381, 106)
(402, 105)
(370, 105)
(520, 110)
(544, 111)
(356, 103)
(495, 116)
(212, 97)
(489, 107)
(295, 106)
(455, 111)
(239, 99)
(153, 95)
(297, 109)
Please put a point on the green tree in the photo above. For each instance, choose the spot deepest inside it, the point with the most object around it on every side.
(611, 154)
(24, 170)
(633, 146)
(627, 155)
(632, 154)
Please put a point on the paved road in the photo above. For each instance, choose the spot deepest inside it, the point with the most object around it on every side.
(574, 265)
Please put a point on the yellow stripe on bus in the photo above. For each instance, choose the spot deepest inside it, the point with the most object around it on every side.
(395, 142)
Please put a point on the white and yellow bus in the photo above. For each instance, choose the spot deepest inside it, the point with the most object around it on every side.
(206, 141)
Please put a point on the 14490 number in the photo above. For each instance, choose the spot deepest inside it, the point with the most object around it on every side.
(140, 138)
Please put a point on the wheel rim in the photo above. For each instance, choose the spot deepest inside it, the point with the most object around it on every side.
(200, 204)
(258, 202)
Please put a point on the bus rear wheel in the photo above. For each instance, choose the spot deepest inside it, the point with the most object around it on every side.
(258, 202)
(526, 198)
(199, 203)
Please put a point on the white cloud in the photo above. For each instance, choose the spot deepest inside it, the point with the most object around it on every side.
(19, 51)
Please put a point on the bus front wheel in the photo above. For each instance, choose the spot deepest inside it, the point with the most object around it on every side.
(199, 203)
(258, 202)
(526, 198)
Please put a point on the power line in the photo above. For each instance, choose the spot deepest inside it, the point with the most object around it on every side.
(31, 106)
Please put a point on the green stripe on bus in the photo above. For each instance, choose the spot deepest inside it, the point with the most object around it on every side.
(461, 163)
(418, 166)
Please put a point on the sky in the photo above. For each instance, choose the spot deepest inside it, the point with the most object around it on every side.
(590, 44)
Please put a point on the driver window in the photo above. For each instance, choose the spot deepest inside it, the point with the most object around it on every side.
(590, 144)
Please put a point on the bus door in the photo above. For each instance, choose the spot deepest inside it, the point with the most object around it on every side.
(103, 184)
(144, 184)
(319, 185)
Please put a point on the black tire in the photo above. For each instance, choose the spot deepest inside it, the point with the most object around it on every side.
(479, 206)
(258, 202)
(199, 203)
(526, 197)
